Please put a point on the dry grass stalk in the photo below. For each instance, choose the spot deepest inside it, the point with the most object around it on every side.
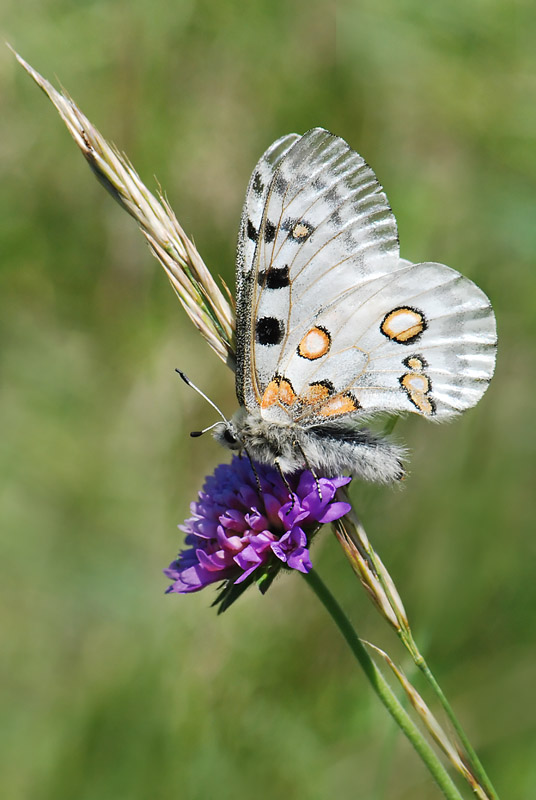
(370, 570)
(194, 285)
(433, 726)
(380, 586)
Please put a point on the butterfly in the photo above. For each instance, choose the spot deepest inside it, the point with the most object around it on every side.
(334, 326)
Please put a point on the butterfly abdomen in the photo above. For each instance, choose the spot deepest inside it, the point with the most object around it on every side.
(363, 454)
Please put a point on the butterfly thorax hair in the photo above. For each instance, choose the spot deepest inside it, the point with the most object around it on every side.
(335, 449)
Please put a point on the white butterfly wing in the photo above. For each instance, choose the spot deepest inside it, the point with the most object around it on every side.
(335, 322)
(257, 192)
(422, 340)
(317, 173)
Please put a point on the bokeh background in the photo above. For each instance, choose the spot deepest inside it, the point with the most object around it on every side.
(111, 689)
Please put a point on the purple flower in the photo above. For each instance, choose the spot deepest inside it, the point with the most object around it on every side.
(236, 530)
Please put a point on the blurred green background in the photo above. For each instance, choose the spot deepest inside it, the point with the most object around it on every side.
(111, 689)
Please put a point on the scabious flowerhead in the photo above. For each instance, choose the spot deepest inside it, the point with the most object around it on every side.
(240, 531)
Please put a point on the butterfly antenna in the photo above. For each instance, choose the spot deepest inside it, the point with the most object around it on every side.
(187, 380)
(195, 434)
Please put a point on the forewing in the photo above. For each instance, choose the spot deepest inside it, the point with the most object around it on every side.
(250, 223)
(326, 226)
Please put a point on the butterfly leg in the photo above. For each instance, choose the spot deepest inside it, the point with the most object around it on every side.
(311, 470)
(257, 479)
(287, 484)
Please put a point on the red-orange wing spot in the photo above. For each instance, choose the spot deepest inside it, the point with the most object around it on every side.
(287, 395)
(340, 404)
(315, 393)
(314, 344)
(415, 383)
(300, 231)
(417, 386)
(414, 363)
(403, 325)
(270, 395)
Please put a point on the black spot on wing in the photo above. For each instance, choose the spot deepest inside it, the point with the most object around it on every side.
(274, 278)
(252, 231)
(258, 185)
(332, 197)
(350, 242)
(280, 184)
(336, 219)
(269, 330)
(269, 231)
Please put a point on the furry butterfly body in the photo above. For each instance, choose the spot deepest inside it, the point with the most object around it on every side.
(333, 326)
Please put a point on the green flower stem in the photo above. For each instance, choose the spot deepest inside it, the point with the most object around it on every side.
(406, 636)
(474, 761)
(382, 688)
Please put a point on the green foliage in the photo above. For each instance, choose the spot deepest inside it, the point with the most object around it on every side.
(110, 689)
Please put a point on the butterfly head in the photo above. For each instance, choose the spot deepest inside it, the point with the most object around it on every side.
(263, 441)
(226, 434)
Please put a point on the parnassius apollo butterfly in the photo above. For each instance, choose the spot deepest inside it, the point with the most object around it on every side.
(333, 325)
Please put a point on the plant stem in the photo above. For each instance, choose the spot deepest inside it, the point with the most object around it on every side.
(382, 688)
(406, 636)
(473, 758)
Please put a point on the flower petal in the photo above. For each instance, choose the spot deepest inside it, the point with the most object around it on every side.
(300, 560)
(235, 528)
(335, 511)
